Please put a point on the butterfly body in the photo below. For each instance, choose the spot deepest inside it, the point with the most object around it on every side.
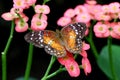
(56, 43)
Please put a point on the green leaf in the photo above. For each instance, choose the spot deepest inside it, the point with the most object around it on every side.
(103, 61)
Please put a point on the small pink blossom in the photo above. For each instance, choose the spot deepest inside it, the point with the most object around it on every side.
(21, 26)
(19, 4)
(30, 2)
(86, 65)
(7, 16)
(80, 9)
(114, 7)
(93, 9)
(111, 31)
(86, 32)
(100, 28)
(63, 21)
(38, 24)
(105, 8)
(85, 46)
(69, 13)
(73, 68)
(23, 16)
(39, 16)
(102, 16)
(114, 15)
(83, 18)
(91, 2)
(16, 10)
(68, 58)
(42, 9)
(116, 29)
(83, 53)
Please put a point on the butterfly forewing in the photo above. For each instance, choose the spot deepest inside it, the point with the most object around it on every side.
(72, 36)
(49, 40)
(36, 38)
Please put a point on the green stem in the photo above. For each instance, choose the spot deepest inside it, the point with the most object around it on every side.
(111, 59)
(49, 67)
(29, 62)
(56, 72)
(4, 53)
(90, 40)
(45, 1)
(61, 69)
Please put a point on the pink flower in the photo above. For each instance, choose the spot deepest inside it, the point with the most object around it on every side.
(93, 9)
(91, 2)
(16, 10)
(107, 29)
(83, 53)
(23, 16)
(116, 29)
(21, 26)
(30, 2)
(102, 16)
(86, 32)
(73, 68)
(114, 7)
(86, 65)
(80, 9)
(42, 9)
(68, 58)
(105, 8)
(19, 4)
(39, 16)
(69, 13)
(83, 18)
(63, 21)
(7, 16)
(85, 47)
(38, 24)
(100, 29)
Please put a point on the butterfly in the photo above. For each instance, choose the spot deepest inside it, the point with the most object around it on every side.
(56, 43)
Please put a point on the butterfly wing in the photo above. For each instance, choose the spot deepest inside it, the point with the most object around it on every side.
(72, 36)
(47, 39)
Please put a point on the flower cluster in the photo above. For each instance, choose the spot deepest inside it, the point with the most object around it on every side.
(39, 20)
(105, 15)
(72, 66)
(103, 30)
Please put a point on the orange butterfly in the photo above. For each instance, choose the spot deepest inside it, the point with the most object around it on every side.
(69, 38)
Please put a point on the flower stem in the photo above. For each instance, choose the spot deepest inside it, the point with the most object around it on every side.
(29, 62)
(4, 53)
(61, 69)
(90, 40)
(45, 1)
(49, 67)
(55, 73)
(111, 59)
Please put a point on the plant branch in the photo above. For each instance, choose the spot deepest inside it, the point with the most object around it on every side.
(111, 59)
(49, 67)
(4, 53)
(29, 62)
(90, 40)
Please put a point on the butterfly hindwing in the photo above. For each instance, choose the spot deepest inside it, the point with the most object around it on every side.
(49, 40)
(72, 36)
